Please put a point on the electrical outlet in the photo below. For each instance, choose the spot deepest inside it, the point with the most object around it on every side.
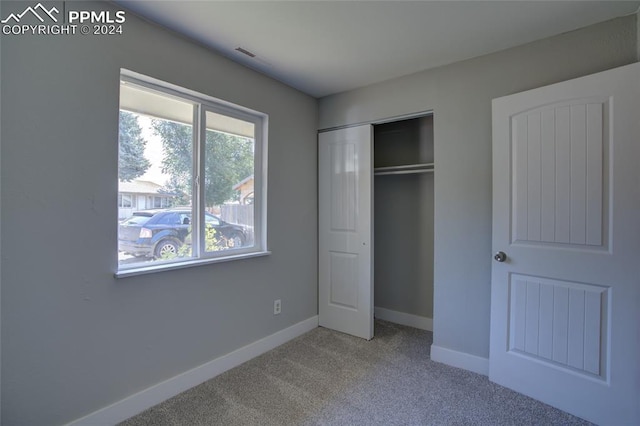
(277, 307)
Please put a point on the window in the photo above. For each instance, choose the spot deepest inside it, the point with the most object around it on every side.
(124, 200)
(160, 202)
(214, 221)
(196, 153)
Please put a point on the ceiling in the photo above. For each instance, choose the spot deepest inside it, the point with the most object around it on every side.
(326, 47)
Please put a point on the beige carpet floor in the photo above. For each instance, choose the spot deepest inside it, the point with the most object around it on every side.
(328, 378)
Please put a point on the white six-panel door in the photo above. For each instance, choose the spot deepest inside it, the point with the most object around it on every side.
(345, 231)
(565, 313)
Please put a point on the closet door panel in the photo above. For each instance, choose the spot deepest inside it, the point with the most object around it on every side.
(345, 231)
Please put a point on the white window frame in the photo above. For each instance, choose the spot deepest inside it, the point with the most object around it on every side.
(204, 103)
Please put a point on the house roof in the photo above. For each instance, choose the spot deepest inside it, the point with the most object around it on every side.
(242, 182)
(140, 187)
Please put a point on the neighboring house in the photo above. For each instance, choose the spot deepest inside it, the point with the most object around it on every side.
(245, 187)
(139, 195)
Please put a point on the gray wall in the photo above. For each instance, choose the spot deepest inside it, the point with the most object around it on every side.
(74, 339)
(403, 232)
(460, 95)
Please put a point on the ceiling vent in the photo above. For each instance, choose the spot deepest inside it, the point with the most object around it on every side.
(246, 52)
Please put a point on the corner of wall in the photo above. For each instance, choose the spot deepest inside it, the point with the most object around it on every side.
(147, 398)
(462, 360)
(638, 34)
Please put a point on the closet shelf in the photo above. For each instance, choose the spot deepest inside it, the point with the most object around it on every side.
(404, 169)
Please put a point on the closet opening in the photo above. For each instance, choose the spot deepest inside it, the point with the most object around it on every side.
(403, 221)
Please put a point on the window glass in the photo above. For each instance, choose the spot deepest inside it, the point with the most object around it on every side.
(167, 140)
(228, 176)
(124, 200)
(156, 163)
(137, 220)
(212, 220)
(167, 219)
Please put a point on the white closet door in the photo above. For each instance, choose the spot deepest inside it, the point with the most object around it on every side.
(345, 231)
(565, 304)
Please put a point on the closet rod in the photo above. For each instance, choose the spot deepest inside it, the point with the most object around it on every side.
(406, 166)
(403, 172)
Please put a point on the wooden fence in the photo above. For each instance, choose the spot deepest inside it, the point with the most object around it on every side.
(241, 214)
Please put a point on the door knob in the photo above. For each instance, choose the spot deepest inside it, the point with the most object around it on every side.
(500, 256)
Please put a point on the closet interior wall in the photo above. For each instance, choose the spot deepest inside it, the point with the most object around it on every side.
(403, 217)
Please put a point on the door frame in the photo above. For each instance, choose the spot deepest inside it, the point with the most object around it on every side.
(425, 113)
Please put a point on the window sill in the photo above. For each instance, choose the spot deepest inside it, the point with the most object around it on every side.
(188, 264)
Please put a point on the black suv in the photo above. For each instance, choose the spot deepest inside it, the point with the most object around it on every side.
(160, 233)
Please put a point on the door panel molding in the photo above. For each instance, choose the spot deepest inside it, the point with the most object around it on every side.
(554, 148)
(560, 322)
(565, 302)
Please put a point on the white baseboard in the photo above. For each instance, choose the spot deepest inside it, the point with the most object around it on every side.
(460, 359)
(149, 397)
(423, 323)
